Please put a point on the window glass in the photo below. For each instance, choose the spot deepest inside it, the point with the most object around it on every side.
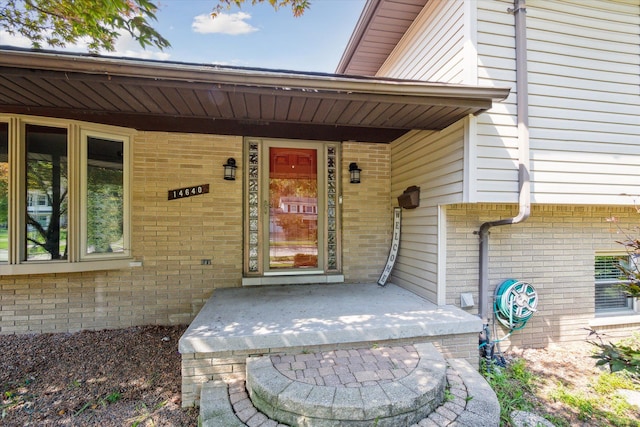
(105, 196)
(608, 277)
(4, 192)
(46, 165)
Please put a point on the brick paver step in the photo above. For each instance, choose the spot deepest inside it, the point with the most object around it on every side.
(390, 386)
(470, 401)
(349, 368)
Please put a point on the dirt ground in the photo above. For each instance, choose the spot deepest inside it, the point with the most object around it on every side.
(569, 367)
(131, 377)
(123, 377)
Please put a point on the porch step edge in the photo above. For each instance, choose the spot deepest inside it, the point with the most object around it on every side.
(293, 402)
(215, 406)
(472, 403)
(482, 407)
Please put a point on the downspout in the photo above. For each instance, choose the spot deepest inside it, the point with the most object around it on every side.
(524, 198)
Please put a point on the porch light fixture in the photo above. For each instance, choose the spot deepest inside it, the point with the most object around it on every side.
(354, 172)
(230, 169)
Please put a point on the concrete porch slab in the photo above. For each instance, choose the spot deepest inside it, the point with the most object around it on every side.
(242, 319)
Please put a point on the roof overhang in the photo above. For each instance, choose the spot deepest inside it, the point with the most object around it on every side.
(380, 27)
(179, 97)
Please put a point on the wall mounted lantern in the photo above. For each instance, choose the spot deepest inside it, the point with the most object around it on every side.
(354, 172)
(230, 169)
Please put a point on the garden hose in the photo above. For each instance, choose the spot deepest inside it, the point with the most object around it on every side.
(514, 304)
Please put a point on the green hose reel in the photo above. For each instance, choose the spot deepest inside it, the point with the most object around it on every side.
(514, 304)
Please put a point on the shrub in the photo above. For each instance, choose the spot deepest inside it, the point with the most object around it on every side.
(622, 356)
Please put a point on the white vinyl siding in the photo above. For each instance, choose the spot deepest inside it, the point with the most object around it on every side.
(586, 141)
(433, 161)
(496, 141)
(584, 103)
(433, 47)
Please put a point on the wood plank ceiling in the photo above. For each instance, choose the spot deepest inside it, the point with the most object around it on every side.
(149, 95)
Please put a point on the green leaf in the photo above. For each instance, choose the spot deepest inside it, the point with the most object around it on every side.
(62, 22)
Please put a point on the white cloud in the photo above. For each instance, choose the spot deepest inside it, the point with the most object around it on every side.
(233, 24)
(125, 46)
(14, 40)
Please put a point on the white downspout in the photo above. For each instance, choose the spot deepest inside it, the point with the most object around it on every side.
(522, 101)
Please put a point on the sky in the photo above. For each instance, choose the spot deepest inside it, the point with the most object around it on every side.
(253, 36)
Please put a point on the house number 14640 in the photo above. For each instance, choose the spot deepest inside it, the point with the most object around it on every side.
(181, 193)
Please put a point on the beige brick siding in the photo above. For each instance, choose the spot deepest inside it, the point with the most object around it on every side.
(171, 237)
(229, 366)
(366, 212)
(553, 250)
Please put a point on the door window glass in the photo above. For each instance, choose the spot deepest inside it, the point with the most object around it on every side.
(293, 201)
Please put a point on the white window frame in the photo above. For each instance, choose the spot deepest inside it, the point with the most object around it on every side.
(615, 317)
(77, 259)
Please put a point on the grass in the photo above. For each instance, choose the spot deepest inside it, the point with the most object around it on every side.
(112, 397)
(34, 250)
(512, 385)
(4, 238)
(103, 401)
(11, 395)
(517, 389)
(144, 417)
(604, 406)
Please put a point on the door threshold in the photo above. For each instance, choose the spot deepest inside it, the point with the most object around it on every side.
(293, 280)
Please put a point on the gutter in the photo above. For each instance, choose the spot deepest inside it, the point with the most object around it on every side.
(408, 91)
(524, 188)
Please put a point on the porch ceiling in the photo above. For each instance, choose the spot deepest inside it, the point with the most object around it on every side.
(166, 96)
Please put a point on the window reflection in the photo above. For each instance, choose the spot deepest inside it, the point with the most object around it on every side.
(4, 192)
(105, 196)
(46, 163)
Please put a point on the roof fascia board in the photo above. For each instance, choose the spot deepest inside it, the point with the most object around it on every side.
(139, 70)
(410, 98)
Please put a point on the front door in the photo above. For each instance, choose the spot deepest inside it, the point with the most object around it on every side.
(292, 198)
(292, 235)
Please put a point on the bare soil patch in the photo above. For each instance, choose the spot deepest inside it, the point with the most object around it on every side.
(123, 377)
(568, 367)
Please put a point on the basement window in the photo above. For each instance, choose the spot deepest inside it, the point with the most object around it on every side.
(609, 297)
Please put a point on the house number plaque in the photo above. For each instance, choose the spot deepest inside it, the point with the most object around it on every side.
(181, 193)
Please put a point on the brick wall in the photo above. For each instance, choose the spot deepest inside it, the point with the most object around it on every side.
(366, 211)
(169, 237)
(553, 250)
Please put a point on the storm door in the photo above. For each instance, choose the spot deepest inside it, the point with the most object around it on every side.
(292, 196)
